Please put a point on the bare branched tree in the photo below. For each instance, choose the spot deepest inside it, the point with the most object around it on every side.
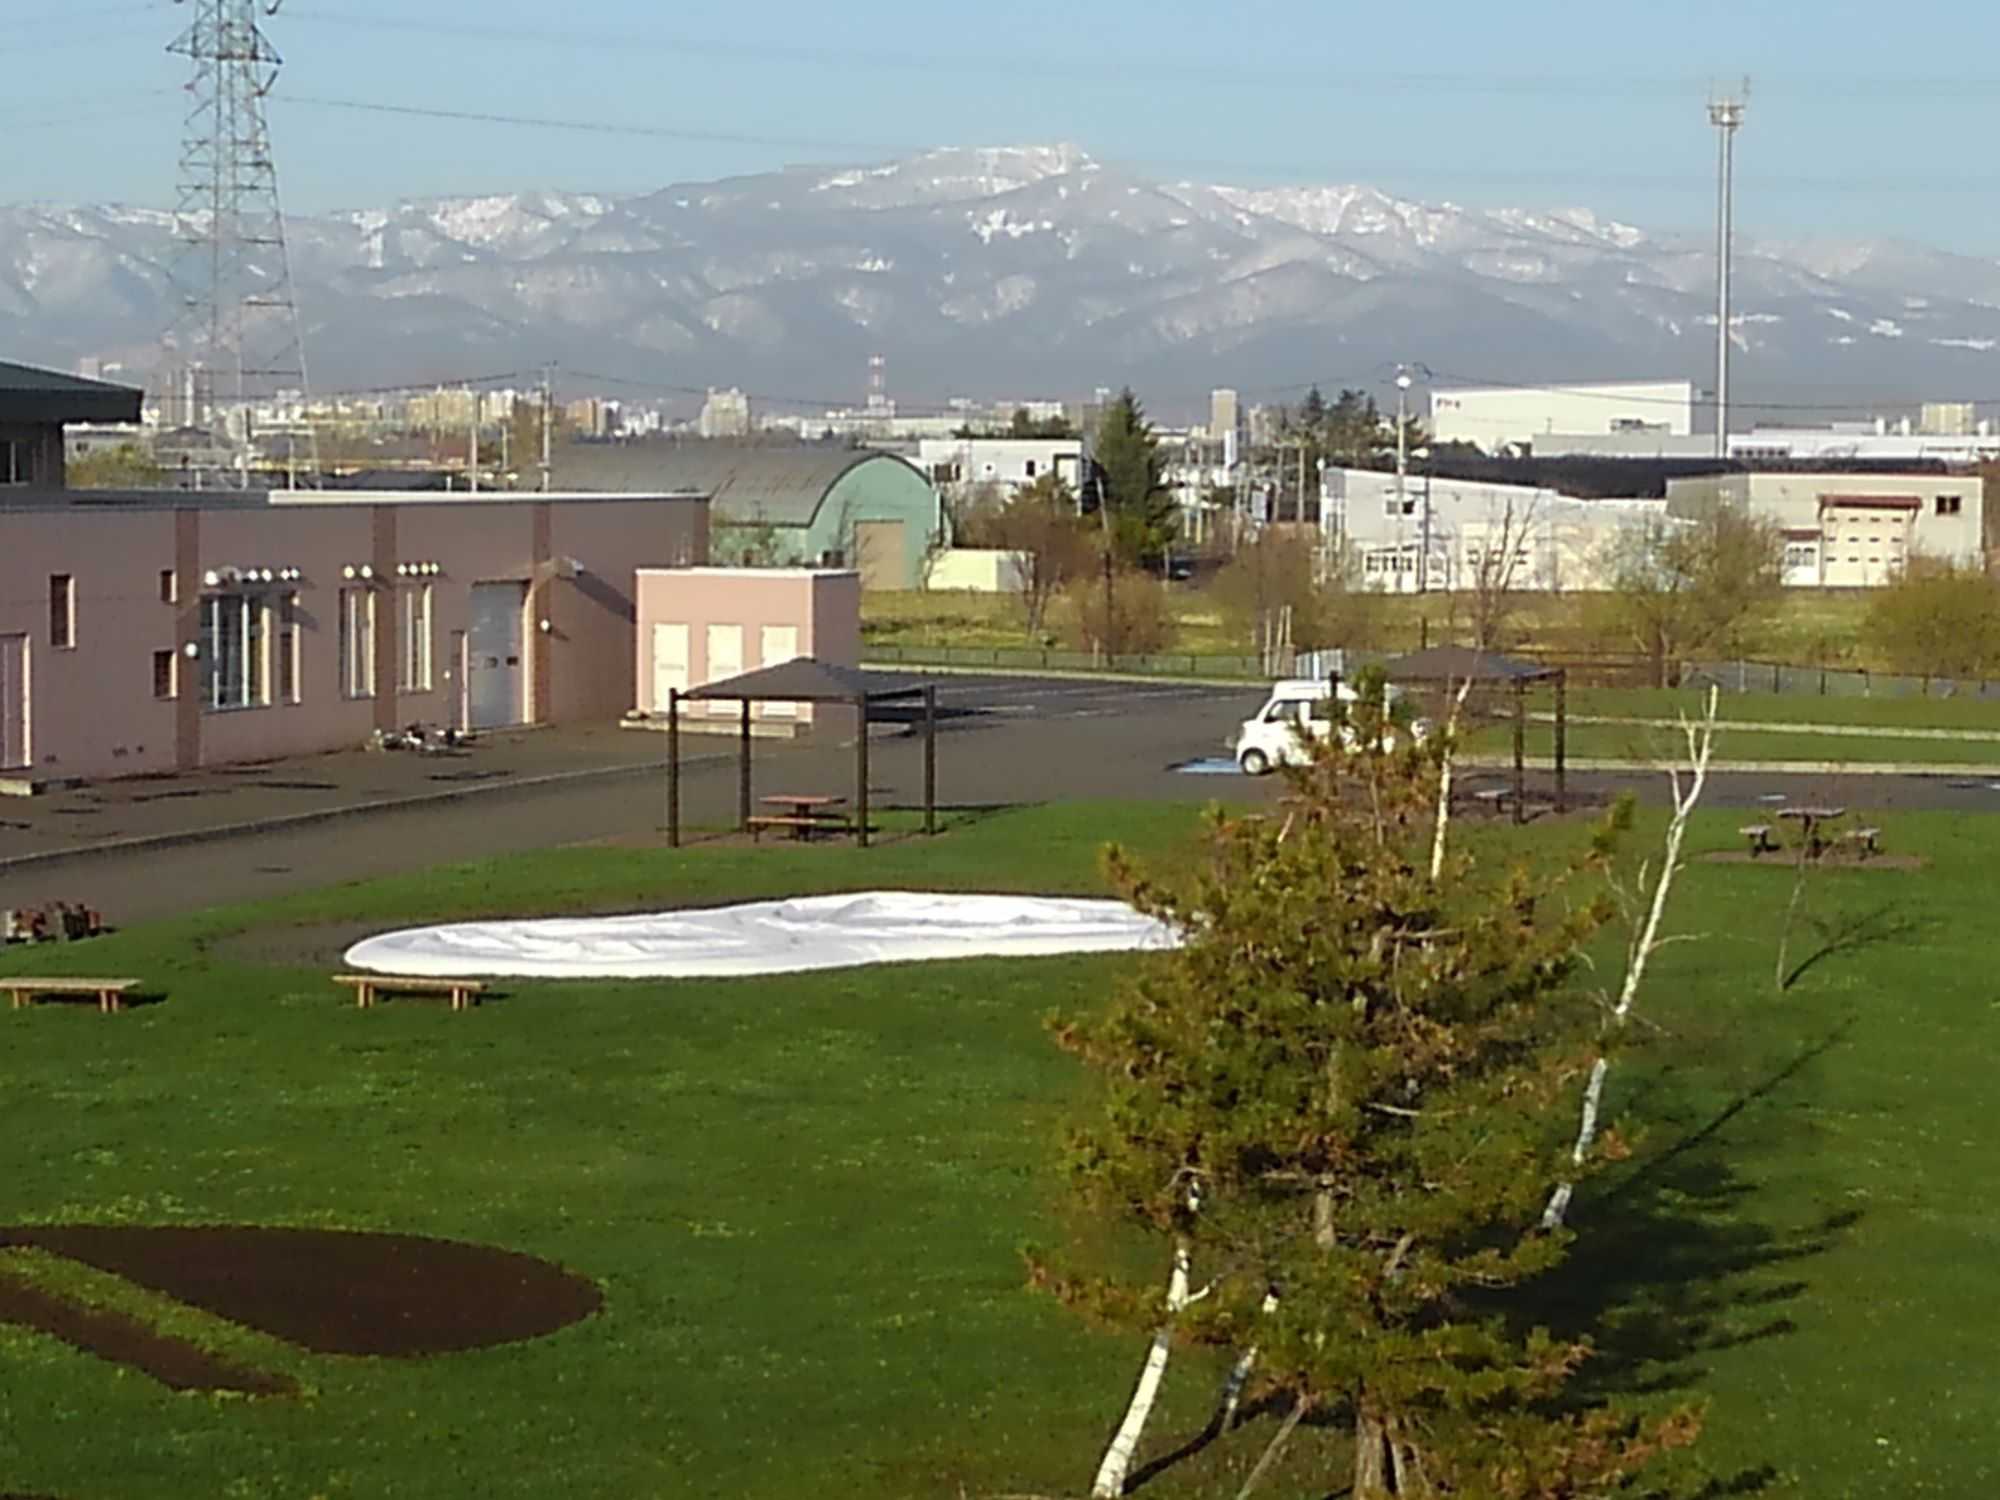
(1646, 938)
(1494, 575)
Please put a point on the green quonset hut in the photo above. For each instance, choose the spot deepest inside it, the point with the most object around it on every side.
(801, 505)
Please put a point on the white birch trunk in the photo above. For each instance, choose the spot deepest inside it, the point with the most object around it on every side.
(1646, 942)
(1444, 783)
(1117, 1464)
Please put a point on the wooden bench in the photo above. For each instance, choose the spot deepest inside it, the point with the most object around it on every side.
(1760, 838)
(368, 987)
(1867, 842)
(110, 992)
(802, 827)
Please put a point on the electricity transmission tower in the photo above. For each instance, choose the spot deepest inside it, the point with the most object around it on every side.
(235, 345)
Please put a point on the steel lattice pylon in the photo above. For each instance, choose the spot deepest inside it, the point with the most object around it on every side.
(235, 345)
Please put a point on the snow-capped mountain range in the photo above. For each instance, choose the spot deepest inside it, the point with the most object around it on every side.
(1014, 270)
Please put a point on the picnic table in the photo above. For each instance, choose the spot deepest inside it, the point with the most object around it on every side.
(803, 816)
(1812, 823)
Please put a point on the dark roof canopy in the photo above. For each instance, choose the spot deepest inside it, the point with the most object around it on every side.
(31, 395)
(1457, 663)
(806, 680)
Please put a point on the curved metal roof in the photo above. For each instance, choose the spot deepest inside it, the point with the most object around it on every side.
(776, 485)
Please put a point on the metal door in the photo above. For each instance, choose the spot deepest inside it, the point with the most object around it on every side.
(14, 749)
(494, 677)
(670, 663)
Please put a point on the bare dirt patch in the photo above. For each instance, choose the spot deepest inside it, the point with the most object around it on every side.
(336, 1291)
(174, 1362)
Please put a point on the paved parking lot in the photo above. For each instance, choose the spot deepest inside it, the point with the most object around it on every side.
(209, 837)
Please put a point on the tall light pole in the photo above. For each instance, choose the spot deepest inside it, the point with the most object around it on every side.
(1726, 115)
(1403, 464)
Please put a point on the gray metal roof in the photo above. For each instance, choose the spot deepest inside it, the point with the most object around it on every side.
(32, 395)
(778, 485)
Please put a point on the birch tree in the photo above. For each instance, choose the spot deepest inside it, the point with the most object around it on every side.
(1646, 940)
(1357, 1068)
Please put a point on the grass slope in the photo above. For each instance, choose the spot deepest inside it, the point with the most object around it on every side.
(805, 1196)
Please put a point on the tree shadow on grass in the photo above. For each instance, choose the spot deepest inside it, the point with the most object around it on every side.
(1674, 1265)
(1853, 932)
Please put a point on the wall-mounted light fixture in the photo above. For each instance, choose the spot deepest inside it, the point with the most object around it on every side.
(545, 627)
(191, 650)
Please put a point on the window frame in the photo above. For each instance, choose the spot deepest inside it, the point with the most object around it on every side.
(358, 623)
(171, 660)
(62, 611)
(237, 679)
(416, 658)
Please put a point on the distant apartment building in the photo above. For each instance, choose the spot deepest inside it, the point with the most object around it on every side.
(1494, 418)
(1850, 530)
(1948, 419)
(725, 414)
(1430, 535)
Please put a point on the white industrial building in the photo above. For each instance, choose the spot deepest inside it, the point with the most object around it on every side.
(1425, 535)
(1009, 463)
(1851, 530)
(1496, 418)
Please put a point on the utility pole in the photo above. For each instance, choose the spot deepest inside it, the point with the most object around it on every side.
(548, 420)
(1403, 466)
(1726, 115)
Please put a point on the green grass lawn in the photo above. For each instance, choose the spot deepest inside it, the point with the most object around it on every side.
(1646, 744)
(805, 1196)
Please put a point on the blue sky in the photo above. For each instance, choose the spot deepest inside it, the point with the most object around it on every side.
(1861, 120)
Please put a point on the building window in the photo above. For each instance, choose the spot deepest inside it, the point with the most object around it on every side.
(415, 676)
(1948, 505)
(62, 611)
(170, 586)
(166, 674)
(289, 690)
(357, 642)
(17, 463)
(1030, 467)
(233, 631)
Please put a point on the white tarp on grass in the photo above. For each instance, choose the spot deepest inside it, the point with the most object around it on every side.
(766, 937)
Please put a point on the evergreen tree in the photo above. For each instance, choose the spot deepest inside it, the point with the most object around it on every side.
(1131, 481)
(1340, 1105)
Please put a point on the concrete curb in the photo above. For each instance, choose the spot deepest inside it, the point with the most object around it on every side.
(1540, 767)
(1844, 731)
(180, 838)
(1062, 674)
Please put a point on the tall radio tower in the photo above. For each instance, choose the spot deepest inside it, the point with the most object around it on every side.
(236, 338)
(1725, 113)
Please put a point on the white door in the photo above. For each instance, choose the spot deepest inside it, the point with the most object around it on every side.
(725, 659)
(14, 748)
(776, 645)
(670, 663)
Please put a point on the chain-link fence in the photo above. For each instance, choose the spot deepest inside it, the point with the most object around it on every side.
(1831, 682)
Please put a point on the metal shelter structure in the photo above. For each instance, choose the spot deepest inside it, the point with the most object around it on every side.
(1449, 666)
(804, 680)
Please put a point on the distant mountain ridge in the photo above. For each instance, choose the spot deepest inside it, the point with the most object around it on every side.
(996, 271)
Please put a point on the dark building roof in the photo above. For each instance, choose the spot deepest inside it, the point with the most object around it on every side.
(29, 395)
(776, 485)
(806, 679)
(1457, 663)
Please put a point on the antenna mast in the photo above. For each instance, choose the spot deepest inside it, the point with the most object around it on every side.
(235, 345)
(1725, 113)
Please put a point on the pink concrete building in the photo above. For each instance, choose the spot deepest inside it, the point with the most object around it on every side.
(701, 625)
(144, 632)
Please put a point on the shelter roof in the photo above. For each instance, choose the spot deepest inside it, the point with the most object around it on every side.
(805, 679)
(1457, 663)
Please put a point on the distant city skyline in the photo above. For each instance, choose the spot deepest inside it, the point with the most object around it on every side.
(1854, 129)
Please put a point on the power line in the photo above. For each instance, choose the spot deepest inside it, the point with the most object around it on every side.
(1148, 72)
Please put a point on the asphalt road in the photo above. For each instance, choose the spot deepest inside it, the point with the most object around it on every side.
(1002, 741)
